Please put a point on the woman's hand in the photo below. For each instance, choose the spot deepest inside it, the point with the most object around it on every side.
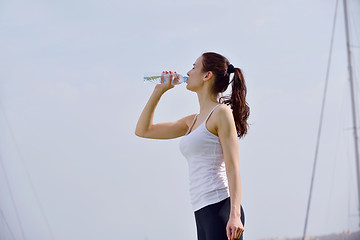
(163, 87)
(234, 228)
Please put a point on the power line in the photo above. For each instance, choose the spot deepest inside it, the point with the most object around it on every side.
(27, 174)
(321, 120)
(12, 198)
(7, 225)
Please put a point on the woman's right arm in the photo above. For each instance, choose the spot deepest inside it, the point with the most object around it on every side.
(147, 129)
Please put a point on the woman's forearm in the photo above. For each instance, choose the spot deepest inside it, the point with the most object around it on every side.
(147, 115)
(234, 181)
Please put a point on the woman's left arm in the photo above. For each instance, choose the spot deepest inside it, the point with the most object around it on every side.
(229, 141)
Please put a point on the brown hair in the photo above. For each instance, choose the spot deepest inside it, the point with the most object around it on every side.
(219, 65)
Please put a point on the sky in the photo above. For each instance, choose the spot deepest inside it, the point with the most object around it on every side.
(71, 92)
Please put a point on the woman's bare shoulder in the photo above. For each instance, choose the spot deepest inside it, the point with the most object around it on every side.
(189, 119)
(223, 110)
(223, 114)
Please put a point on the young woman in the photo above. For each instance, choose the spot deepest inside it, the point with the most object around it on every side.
(209, 143)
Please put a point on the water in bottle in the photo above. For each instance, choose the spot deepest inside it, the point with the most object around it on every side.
(164, 78)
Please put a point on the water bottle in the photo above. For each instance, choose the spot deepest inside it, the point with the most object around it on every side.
(164, 78)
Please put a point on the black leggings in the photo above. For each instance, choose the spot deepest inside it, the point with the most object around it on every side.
(211, 221)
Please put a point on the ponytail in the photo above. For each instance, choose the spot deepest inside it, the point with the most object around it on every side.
(237, 101)
(221, 68)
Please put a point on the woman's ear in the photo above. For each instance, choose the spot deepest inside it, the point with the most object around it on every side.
(208, 75)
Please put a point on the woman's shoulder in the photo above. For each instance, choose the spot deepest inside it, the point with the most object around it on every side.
(189, 119)
(222, 109)
(223, 114)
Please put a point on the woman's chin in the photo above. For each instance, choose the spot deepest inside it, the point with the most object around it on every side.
(188, 88)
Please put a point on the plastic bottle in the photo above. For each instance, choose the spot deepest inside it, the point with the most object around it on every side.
(164, 78)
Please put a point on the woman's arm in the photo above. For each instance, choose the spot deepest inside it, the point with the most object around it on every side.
(147, 129)
(228, 137)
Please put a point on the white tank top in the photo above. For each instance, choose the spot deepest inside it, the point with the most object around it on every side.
(207, 174)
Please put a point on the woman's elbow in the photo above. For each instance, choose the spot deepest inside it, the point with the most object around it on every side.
(142, 133)
(139, 133)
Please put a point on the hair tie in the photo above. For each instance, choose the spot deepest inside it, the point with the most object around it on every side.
(230, 69)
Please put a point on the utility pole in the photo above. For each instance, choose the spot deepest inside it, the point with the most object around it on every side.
(356, 138)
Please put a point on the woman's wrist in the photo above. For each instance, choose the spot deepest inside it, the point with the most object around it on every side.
(158, 92)
(235, 212)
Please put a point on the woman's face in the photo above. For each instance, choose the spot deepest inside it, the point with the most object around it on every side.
(195, 79)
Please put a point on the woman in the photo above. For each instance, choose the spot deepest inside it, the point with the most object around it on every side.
(209, 143)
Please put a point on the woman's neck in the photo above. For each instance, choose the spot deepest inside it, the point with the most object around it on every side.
(206, 101)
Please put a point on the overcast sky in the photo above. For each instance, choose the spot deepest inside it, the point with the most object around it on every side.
(71, 92)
